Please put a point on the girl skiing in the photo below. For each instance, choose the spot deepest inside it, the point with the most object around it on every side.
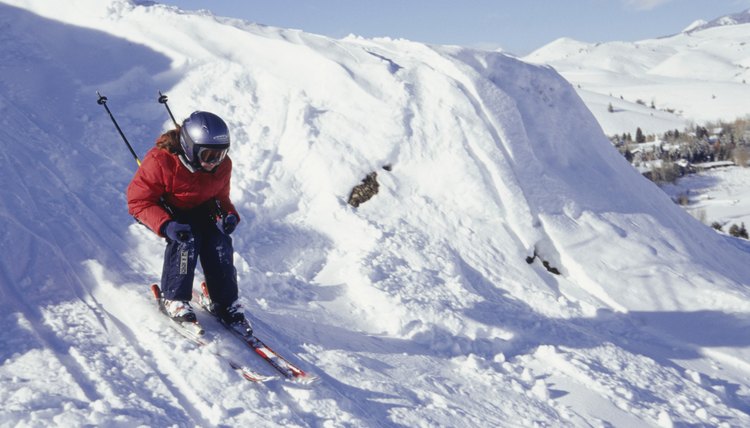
(181, 192)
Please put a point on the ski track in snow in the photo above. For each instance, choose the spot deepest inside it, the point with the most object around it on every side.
(417, 308)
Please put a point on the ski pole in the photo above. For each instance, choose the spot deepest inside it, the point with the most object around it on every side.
(163, 100)
(103, 102)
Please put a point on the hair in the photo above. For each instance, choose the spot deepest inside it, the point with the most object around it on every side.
(170, 141)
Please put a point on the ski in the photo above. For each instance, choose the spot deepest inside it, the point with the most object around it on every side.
(195, 335)
(245, 334)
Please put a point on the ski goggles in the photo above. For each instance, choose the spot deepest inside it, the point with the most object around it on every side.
(212, 156)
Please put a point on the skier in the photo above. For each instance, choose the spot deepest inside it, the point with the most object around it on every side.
(181, 192)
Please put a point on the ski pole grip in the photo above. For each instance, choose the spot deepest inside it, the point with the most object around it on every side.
(163, 100)
(102, 101)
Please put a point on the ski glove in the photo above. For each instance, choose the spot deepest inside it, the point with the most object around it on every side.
(227, 224)
(178, 231)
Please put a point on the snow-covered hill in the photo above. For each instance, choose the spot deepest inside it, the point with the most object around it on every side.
(418, 308)
(699, 75)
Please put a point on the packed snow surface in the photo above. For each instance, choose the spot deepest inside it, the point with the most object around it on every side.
(417, 308)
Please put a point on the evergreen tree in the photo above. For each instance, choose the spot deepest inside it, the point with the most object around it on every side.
(639, 137)
(738, 231)
(701, 132)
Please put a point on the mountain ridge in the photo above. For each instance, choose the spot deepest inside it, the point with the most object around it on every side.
(731, 19)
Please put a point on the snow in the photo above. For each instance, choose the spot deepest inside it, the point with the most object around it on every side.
(719, 195)
(699, 75)
(418, 308)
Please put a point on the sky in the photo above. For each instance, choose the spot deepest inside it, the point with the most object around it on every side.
(518, 27)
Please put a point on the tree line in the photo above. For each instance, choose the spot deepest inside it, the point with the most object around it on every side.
(678, 151)
(664, 158)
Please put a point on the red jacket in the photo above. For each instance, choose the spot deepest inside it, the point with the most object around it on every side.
(162, 174)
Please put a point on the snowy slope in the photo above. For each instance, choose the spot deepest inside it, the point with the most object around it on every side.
(417, 308)
(719, 195)
(699, 75)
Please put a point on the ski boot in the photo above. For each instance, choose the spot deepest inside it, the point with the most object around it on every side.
(232, 317)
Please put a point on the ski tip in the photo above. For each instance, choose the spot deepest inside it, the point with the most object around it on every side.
(156, 291)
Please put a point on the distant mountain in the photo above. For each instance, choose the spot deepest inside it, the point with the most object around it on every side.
(701, 74)
(734, 19)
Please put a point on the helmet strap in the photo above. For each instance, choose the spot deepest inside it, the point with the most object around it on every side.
(185, 162)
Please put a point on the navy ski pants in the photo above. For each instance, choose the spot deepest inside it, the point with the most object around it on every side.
(215, 252)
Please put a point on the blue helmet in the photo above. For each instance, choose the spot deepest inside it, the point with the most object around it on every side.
(204, 138)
